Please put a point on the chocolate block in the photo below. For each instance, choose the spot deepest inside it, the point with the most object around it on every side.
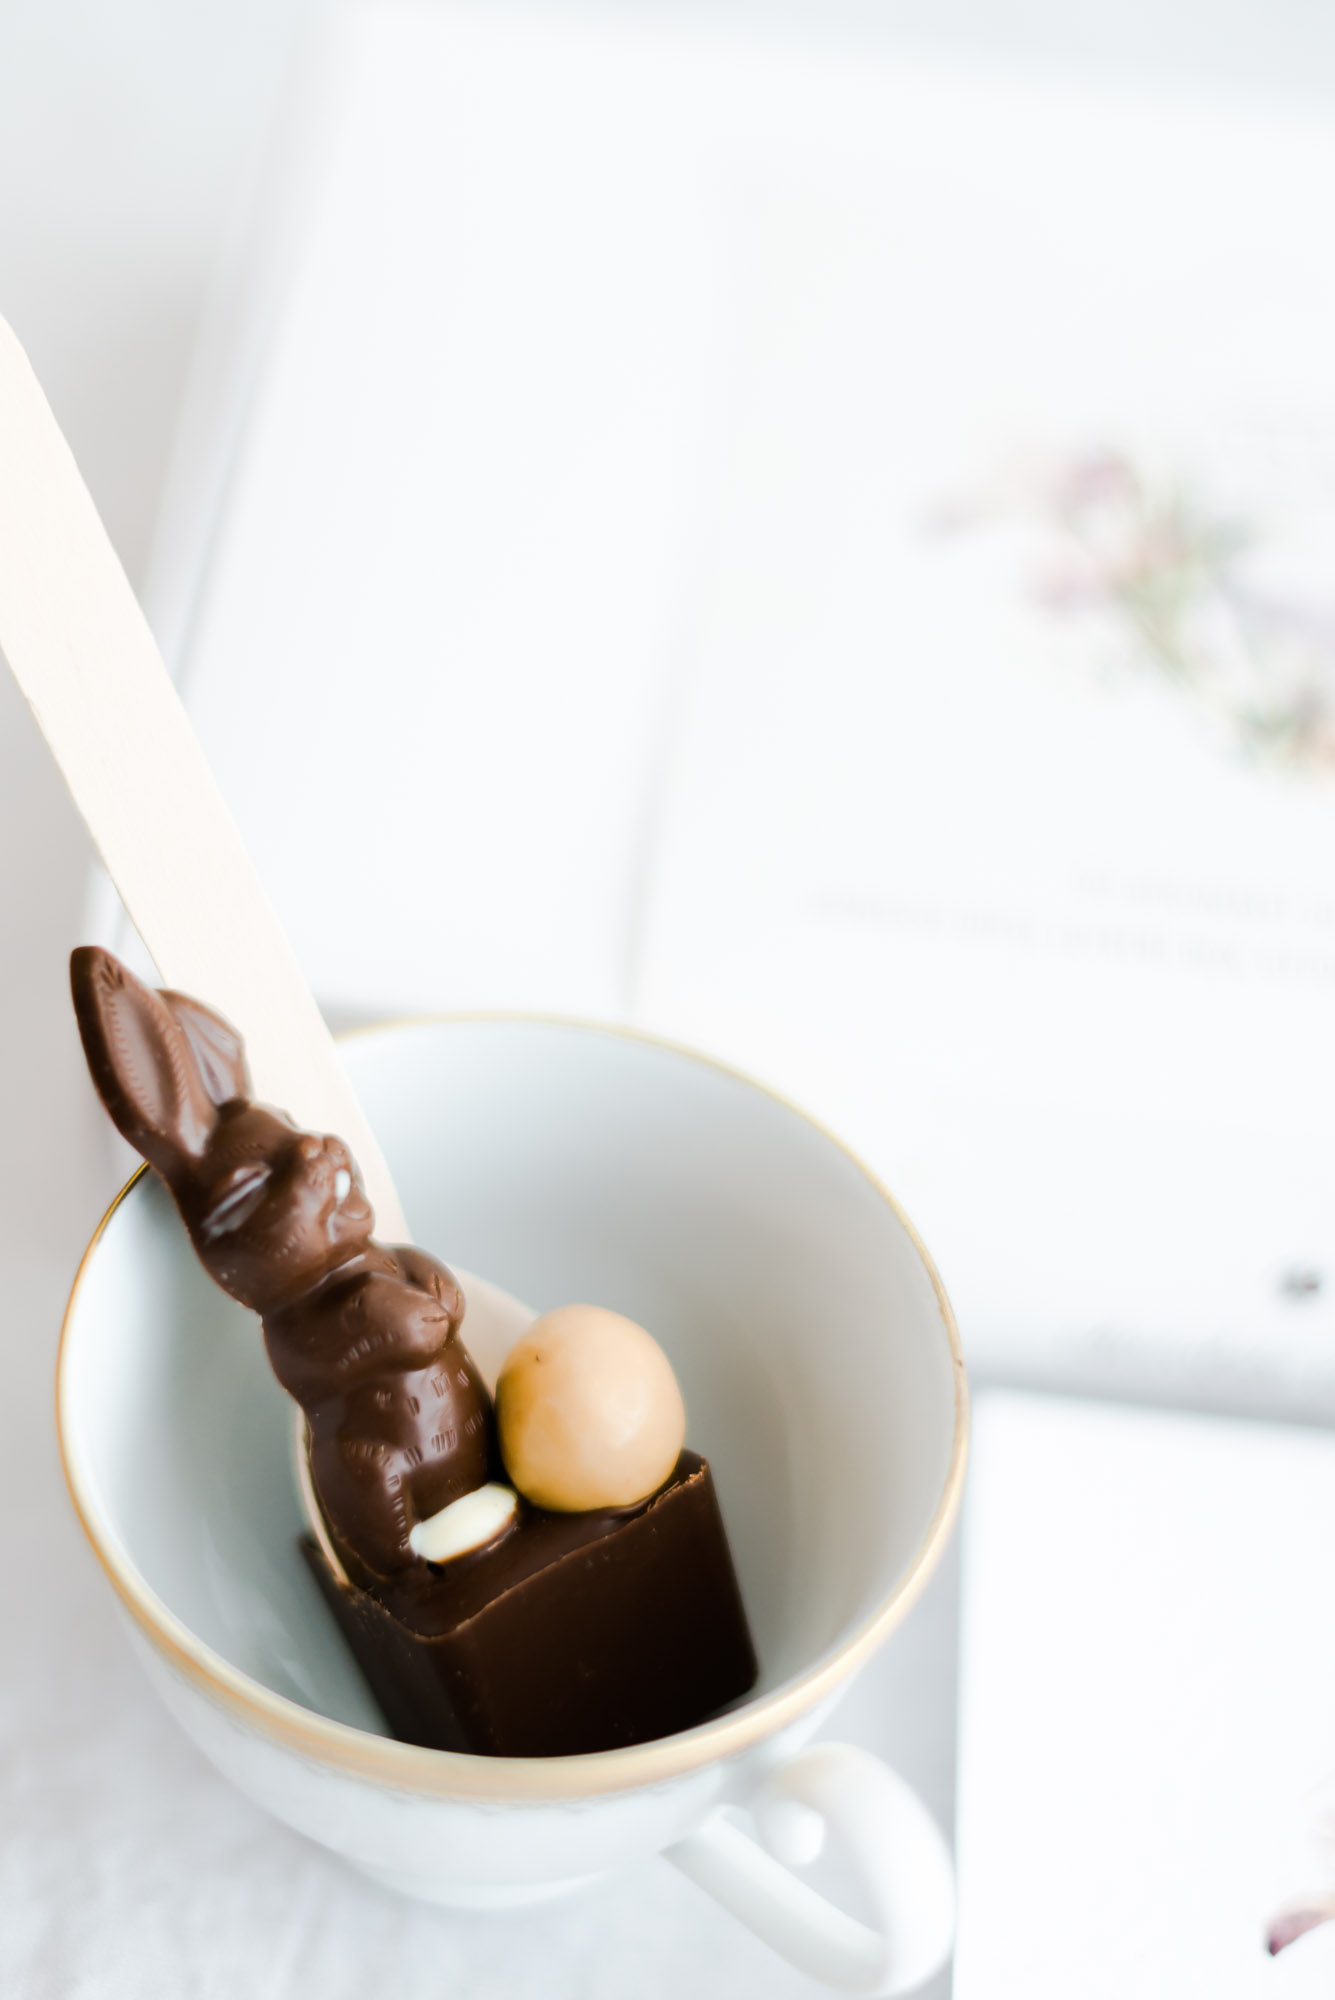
(574, 1632)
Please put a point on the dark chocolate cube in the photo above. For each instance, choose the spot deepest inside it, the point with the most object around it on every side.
(575, 1632)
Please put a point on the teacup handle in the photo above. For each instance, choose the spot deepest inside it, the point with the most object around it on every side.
(892, 1841)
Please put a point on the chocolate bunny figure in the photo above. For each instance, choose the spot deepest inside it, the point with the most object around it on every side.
(366, 1338)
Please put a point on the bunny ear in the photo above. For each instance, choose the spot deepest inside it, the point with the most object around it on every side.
(144, 1068)
(216, 1046)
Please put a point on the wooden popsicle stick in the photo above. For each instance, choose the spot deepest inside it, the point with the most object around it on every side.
(80, 649)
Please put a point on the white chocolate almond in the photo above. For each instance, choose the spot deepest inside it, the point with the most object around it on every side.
(588, 1411)
(469, 1522)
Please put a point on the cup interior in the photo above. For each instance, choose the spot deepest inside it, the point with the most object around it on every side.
(813, 1344)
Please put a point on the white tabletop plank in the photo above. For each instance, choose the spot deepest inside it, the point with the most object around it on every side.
(1147, 1733)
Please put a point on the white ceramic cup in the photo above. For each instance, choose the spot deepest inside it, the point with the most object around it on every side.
(823, 1380)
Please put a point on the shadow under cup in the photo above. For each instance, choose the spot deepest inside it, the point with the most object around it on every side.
(813, 1343)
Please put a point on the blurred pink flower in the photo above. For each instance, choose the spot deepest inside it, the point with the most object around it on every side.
(1166, 572)
(1296, 1923)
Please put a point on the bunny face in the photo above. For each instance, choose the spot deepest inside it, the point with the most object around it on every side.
(270, 1209)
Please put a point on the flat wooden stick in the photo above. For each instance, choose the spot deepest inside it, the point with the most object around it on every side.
(80, 649)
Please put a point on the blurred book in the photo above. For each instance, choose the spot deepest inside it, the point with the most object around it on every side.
(1147, 1747)
(834, 561)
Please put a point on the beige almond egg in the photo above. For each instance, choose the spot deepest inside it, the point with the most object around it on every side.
(588, 1411)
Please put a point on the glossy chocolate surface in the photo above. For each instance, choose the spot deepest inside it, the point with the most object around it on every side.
(575, 1632)
(366, 1338)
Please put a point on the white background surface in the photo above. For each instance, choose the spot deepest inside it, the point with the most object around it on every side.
(125, 1866)
(1058, 962)
(1145, 1790)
